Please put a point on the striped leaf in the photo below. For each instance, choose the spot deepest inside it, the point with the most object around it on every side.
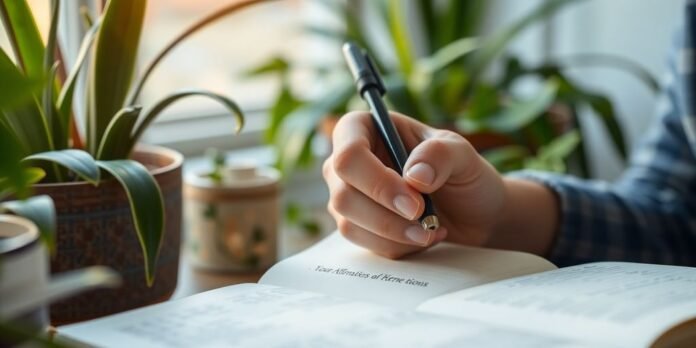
(77, 161)
(147, 207)
(111, 73)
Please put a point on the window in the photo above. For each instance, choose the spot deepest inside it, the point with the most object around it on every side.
(216, 58)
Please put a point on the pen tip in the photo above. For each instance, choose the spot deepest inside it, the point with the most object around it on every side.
(430, 223)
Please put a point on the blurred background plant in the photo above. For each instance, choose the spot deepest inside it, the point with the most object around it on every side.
(440, 69)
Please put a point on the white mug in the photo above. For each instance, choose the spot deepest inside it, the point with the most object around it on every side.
(25, 283)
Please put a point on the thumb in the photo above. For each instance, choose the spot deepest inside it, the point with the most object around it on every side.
(443, 157)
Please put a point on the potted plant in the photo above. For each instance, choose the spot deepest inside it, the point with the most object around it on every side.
(449, 85)
(25, 244)
(118, 203)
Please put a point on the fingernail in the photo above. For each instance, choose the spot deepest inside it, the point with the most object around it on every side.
(406, 206)
(422, 173)
(418, 235)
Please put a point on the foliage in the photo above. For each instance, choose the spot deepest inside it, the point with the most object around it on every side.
(41, 125)
(449, 82)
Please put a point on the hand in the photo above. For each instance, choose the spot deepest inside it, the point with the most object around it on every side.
(378, 209)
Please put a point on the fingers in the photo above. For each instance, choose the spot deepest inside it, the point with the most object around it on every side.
(373, 205)
(377, 244)
(380, 246)
(362, 211)
(355, 163)
(443, 157)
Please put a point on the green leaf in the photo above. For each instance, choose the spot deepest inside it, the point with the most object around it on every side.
(285, 103)
(30, 126)
(429, 19)
(610, 61)
(426, 68)
(14, 177)
(274, 65)
(20, 188)
(551, 157)
(65, 98)
(24, 36)
(147, 208)
(293, 213)
(115, 53)
(49, 53)
(153, 112)
(59, 130)
(605, 110)
(519, 114)
(15, 88)
(491, 47)
(560, 147)
(507, 158)
(41, 211)
(77, 161)
(450, 22)
(298, 128)
(117, 137)
(400, 36)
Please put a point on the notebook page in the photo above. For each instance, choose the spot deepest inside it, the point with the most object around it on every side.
(337, 267)
(252, 315)
(618, 302)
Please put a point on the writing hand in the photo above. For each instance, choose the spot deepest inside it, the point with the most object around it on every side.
(376, 208)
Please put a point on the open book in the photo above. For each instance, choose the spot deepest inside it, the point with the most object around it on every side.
(339, 295)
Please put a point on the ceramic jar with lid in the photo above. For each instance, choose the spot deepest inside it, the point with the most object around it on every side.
(232, 224)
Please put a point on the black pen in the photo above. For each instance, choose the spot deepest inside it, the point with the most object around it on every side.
(371, 89)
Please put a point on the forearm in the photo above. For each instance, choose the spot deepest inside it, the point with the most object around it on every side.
(530, 218)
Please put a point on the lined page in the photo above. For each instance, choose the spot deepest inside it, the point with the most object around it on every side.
(267, 316)
(621, 302)
(337, 267)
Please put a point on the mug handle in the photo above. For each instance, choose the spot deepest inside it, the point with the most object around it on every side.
(61, 286)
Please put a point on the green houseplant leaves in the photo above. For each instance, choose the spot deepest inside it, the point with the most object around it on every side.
(447, 79)
(38, 123)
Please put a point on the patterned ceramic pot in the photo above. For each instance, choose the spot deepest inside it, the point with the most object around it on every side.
(95, 228)
(233, 225)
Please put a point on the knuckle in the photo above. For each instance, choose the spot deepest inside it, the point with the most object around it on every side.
(326, 168)
(354, 116)
(379, 188)
(345, 157)
(346, 228)
(438, 146)
(341, 198)
(387, 227)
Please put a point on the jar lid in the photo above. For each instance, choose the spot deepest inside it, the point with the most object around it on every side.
(238, 181)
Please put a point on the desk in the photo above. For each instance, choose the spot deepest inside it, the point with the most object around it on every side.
(193, 280)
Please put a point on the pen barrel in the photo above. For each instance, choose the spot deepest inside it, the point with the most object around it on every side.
(392, 140)
(385, 128)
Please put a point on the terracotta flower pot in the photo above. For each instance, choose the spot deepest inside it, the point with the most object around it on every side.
(95, 228)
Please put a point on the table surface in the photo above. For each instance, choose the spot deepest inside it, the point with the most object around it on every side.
(193, 280)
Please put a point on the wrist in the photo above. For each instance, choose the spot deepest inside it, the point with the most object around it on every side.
(529, 218)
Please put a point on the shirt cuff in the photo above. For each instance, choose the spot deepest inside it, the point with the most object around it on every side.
(570, 244)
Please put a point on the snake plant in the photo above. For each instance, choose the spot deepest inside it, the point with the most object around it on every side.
(47, 144)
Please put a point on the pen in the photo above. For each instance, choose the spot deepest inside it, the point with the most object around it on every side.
(371, 89)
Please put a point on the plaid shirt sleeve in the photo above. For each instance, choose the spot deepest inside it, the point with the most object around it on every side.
(649, 214)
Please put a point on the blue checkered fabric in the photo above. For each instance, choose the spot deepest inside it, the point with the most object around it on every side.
(649, 214)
